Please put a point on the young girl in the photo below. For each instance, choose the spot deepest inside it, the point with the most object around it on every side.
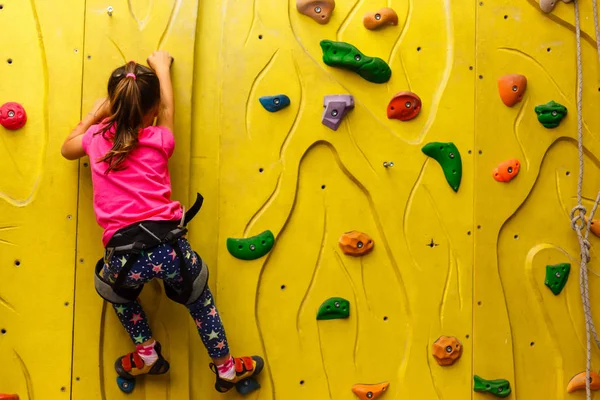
(143, 228)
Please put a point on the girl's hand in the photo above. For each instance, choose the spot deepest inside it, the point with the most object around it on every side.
(160, 61)
(100, 109)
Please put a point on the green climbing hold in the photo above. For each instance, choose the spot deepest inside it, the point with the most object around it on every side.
(334, 308)
(498, 387)
(550, 114)
(344, 55)
(449, 158)
(557, 276)
(253, 247)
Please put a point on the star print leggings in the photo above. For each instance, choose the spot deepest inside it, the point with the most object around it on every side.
(162, 262)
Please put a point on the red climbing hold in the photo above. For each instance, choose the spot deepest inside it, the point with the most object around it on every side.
(404, 106)
(9, 396)
(12, 116)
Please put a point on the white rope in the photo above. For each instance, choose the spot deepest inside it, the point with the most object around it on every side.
(578, 222)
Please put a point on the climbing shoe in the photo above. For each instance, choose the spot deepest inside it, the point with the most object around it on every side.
(245, 367)
(131, 365)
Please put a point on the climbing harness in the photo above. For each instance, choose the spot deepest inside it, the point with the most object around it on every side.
(142, 237)
(578, 222)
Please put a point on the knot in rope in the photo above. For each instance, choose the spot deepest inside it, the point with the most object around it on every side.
(575, 217)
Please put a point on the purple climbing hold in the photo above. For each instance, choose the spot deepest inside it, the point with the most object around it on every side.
(336, 107)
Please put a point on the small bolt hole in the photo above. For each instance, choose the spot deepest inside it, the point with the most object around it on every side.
(469, 233)
(479, 303)
(532, 344)
(470, 68)
(17, 263)
(548, 49)
(282, 287)
(9, 61)
(261, 170)
(260, 37)
(516, 237)
(385, 318)
(1, 6)
(470, 151)
(481, 3)
(506, 17)
(480, 76)
(480, 152)
(568, 173)
(467, 336)
(77, 378)
(323, 187)
(419, 48)
(66, 304)
(3, 331)
(63, 389)
(302, 382)
(89, 57)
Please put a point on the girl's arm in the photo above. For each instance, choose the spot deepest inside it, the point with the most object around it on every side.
(72, 148)
(160, 62)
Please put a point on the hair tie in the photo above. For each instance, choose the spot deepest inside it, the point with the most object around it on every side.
(131, 75)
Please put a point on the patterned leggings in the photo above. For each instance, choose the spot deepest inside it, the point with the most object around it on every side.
(162, 262)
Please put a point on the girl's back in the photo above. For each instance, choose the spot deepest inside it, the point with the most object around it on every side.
(141, 189)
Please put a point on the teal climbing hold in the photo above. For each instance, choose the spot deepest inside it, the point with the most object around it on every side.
(448, 156)
(275, 103)
(253, 247)
(334, 308)
(344, 55)
(499, 387)
(550, 114)
(557, 276)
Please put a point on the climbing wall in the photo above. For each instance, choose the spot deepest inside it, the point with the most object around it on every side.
(288, 173)
(522, 331)
(467, 261)
(40, 68)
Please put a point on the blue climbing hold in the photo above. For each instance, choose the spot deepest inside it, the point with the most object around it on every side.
(275, 103)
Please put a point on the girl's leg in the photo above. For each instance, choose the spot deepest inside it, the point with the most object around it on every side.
(210, 327)
(147, 358)
(133, 318)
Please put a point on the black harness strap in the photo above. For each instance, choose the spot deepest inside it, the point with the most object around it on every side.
(191, 213)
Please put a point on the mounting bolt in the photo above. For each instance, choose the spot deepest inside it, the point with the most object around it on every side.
(109, 11)
(388, 164)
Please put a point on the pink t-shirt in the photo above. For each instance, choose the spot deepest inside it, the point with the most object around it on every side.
(141, 191)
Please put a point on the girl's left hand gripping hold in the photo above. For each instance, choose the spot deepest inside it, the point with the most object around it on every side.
(72, 148)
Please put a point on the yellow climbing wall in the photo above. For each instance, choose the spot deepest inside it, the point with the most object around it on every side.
(469, 264)
(522, 332)
(40, 67)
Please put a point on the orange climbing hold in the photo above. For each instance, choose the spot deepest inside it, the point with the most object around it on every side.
(379, 19)
(507, 170)
(356, 243)
(447, 350)
(404, 106)
(578, 382)
(9, 396)
(595, 227)
(512, 88)
(368, 392)
(319, 10)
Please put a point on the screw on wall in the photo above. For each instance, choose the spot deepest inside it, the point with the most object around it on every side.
(388, 164)
(109, 11)
(432, 244)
